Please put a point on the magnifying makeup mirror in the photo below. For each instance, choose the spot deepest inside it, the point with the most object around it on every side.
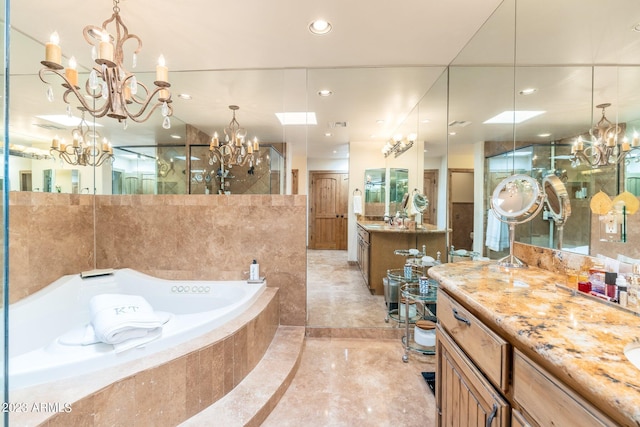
(420, 201)
(516, 199)
(558, 203)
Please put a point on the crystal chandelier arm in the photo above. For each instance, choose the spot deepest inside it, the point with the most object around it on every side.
(137, 116)
(96, 112)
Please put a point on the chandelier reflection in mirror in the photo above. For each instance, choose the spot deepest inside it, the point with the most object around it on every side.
(111, 90)
(608, 146)
(87, 149)
(233, 150)
(398, 145)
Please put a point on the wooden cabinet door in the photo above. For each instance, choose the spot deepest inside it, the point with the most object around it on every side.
(463, 396)
(329, 211)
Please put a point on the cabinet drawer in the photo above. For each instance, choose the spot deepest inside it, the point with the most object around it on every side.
(363, 234)
(489, 352)
(464, 397)
(547, 401)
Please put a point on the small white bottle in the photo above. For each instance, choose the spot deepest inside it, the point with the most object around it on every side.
(254, 271)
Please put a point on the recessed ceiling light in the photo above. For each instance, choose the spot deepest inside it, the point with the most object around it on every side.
(544, 135)
(297, 118)
(184, 96)
(380, 121)
(511, 117)
(452, 133)
(424, 121)
(327, 134)
(319, 26)
(325, 92)
(174, 136)
(528, 91)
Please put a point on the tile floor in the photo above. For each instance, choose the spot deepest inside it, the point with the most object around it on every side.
(352, 381)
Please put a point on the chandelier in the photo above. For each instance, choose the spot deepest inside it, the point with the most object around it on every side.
(608, 145)
(86, 148)
(233, 150)
(111, 90)
(398, 145)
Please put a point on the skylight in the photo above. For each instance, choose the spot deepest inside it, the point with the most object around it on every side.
(297, 118)
(511, 117)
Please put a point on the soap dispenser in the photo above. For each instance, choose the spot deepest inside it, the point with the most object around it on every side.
(254, 271)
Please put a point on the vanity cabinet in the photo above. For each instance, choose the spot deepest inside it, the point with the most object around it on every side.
(363, 253)
(545, 401)
(377, 244)
(482, 380)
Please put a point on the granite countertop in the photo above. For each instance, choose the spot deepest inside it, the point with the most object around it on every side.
(383, 227)
(577, 338)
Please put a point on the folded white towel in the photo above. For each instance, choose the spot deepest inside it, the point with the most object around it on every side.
(119, 317)
(357, 204)
(86, 335)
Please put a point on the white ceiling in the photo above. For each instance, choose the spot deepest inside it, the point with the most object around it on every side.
(380, 60)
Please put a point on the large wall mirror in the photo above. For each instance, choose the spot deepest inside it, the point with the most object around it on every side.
(561, 79)
(446, 108)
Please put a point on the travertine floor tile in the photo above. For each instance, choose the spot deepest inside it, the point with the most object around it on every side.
(337, 296)
(357, 382)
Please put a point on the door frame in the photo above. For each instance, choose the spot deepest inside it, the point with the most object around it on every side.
(450, 172)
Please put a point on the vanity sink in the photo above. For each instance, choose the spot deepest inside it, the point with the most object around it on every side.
(632, 351)
(376, 226)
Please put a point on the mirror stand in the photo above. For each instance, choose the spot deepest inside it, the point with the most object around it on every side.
(511, 261)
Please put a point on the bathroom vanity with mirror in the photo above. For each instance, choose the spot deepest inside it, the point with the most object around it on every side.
(530, 351)
(377, 242)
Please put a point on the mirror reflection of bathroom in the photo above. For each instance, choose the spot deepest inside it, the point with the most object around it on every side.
(375, 193)
(398, 189)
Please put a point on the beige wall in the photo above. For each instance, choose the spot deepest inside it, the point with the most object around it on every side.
(202, 237)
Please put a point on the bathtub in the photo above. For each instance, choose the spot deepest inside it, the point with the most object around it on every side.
(38, 321)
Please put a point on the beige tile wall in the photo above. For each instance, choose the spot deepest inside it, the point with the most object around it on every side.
(201, 237)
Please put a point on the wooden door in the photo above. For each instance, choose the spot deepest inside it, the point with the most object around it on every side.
(430, 186)
(328, 210)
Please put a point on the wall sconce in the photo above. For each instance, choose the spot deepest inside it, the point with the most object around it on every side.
(398, 145)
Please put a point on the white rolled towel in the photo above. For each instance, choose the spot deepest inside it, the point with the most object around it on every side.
(119, 317)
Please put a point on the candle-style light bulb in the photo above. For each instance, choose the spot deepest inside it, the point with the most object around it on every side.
(162, 72)
(53, 53)
(105, 47)
(71, 73)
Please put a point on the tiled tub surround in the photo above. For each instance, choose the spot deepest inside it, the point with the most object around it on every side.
(187, 237)
(165, 388)
(579, 340)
